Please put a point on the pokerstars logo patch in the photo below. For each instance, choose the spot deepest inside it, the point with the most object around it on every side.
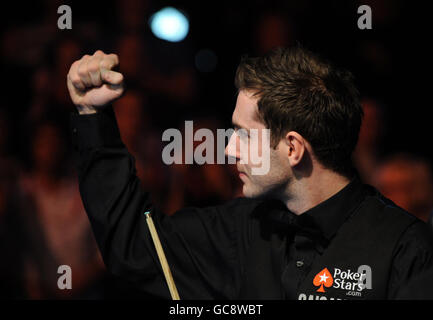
(323, 278)
(353, 282)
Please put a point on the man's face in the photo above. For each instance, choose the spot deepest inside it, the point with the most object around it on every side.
(272, 183)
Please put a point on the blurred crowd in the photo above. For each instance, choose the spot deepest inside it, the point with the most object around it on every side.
(42, 220)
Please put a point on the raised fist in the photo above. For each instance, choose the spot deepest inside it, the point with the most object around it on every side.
(92, 83)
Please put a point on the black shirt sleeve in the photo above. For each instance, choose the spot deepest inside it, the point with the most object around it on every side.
(204, 247)
(413, 257)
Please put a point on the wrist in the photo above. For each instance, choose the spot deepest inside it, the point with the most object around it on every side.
(85, 110)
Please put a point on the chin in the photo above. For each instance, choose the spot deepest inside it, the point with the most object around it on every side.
(246, 192)
(254, 191)
(251, 192)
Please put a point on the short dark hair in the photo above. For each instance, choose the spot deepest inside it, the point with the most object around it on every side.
(302, 92)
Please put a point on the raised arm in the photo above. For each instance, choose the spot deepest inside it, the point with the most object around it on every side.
(202, 245)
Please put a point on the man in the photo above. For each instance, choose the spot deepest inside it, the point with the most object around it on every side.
(308, 229)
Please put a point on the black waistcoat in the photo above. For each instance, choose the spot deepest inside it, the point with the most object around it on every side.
(355, 265)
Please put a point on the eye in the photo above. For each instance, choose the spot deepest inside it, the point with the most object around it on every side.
(242, 134)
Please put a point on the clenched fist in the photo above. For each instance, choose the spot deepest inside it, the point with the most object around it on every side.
(92, 83)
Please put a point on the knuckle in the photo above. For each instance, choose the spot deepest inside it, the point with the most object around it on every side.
(83, 58)
(82, 71)
(93, 66)
(105, 64)
(75, 64)
(75, 80)
(114, 56)
(73, 67)
(98, 53)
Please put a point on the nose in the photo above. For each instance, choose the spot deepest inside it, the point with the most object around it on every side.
(232, 149)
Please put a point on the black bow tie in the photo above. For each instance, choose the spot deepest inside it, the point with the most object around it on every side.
(302, 228)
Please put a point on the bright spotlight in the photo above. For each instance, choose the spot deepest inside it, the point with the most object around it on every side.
(169, 24)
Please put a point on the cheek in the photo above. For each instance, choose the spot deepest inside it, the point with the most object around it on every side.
(279, 172)
(279, 168)
(256, 149)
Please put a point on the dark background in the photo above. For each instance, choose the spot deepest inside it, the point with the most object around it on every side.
(390, 63)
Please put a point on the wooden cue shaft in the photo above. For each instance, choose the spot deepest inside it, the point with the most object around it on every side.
(162, 259)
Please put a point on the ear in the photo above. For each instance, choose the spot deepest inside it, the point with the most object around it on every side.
(296, 146)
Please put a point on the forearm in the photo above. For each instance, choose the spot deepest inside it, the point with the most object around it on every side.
(112, 197)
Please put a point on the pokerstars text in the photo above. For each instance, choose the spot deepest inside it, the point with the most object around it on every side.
(348, 280)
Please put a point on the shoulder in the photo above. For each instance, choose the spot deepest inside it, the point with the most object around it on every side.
(386, 210)
(382, 216)
(416, 236)
(418, 288)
